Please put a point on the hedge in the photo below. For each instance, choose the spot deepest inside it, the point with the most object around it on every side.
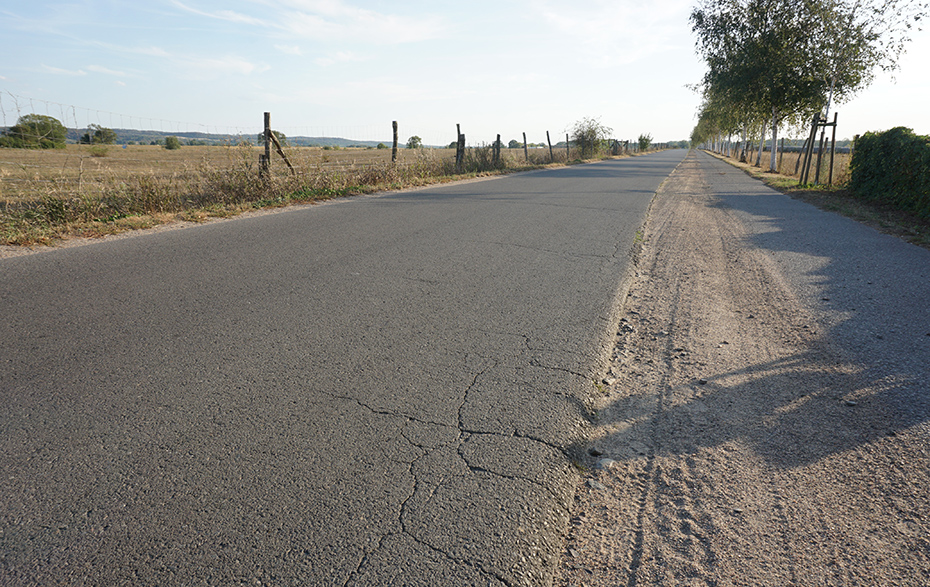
(893, 167)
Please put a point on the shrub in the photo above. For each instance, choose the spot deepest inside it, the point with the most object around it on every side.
(589, 137)
(35, 131)
(893, 167)
(172, 143)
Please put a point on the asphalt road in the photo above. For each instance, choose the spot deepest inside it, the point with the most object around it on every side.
(378, 391)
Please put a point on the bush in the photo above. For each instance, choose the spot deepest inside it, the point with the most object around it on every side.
(172, 143)
(590, 137)
(35, 131)
(893, 167)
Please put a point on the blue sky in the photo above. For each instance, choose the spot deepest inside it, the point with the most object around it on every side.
(349, 67)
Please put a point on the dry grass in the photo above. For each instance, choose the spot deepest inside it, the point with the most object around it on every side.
(88, 191)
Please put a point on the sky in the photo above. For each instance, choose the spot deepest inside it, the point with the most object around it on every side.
(349, 68)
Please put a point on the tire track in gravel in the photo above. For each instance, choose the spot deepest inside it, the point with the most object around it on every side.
(739, 448)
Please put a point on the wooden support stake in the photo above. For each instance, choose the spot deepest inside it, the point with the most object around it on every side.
(823, 134)
(526, 150)
(568, 153)
(277, 146)
(548, 140)
(394, 148)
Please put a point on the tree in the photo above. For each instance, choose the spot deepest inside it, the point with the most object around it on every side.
(99, 135)
(856, 37)
(35, 131)
(514, 144)
(172, 143)
(590, 136)
(414, 142)
(773, 60)
(644, 142)
(382, 146)
(282, 140)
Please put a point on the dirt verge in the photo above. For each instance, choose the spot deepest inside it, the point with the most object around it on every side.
(736, 446)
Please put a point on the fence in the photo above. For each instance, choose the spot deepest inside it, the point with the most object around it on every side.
(99, 169)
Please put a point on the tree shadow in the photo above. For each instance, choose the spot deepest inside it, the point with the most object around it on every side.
(866, 376)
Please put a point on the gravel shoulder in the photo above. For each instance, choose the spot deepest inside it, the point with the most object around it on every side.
(765, 417)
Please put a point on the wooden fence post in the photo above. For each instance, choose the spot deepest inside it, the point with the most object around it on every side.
(568, 153)
(832, 149)
(459, 149)
(497, 151)
(265, 158)
(394, 148)
(526, 150)
(548, 140)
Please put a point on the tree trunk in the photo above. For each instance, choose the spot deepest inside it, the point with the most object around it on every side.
(761, 146)
(744, 143)
(773, 162)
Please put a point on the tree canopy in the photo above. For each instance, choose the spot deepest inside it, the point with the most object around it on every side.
(776, 60)
(99, 135)
(282, 140)
(35, 131)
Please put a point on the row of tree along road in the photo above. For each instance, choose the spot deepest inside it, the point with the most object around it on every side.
(772, 62)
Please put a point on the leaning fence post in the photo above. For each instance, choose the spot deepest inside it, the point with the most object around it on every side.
(526, 150)
(394, 149)
(548, 140)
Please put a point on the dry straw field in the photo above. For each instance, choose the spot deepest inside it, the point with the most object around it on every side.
(92, 190)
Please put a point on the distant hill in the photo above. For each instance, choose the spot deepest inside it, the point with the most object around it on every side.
(145, 137)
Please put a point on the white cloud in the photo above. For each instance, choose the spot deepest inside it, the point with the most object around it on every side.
(212, 66)
(363, 26)
(338, 57)
(289, 49)
(58, 71)
(119, 83)
(225, 15)
(104, 70)
(618, 31)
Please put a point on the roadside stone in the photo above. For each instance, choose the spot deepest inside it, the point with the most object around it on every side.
(595, 485)
(605, 463)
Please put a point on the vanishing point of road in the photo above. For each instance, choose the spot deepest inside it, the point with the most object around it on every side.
(382, 390)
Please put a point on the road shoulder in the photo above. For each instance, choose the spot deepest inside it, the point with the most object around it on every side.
(737, 443)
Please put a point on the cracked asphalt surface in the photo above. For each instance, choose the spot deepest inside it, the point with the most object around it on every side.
(377, 391)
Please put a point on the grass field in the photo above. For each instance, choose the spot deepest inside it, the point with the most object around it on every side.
(94, 190)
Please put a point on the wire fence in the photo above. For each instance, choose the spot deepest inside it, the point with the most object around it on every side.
(140, 149)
